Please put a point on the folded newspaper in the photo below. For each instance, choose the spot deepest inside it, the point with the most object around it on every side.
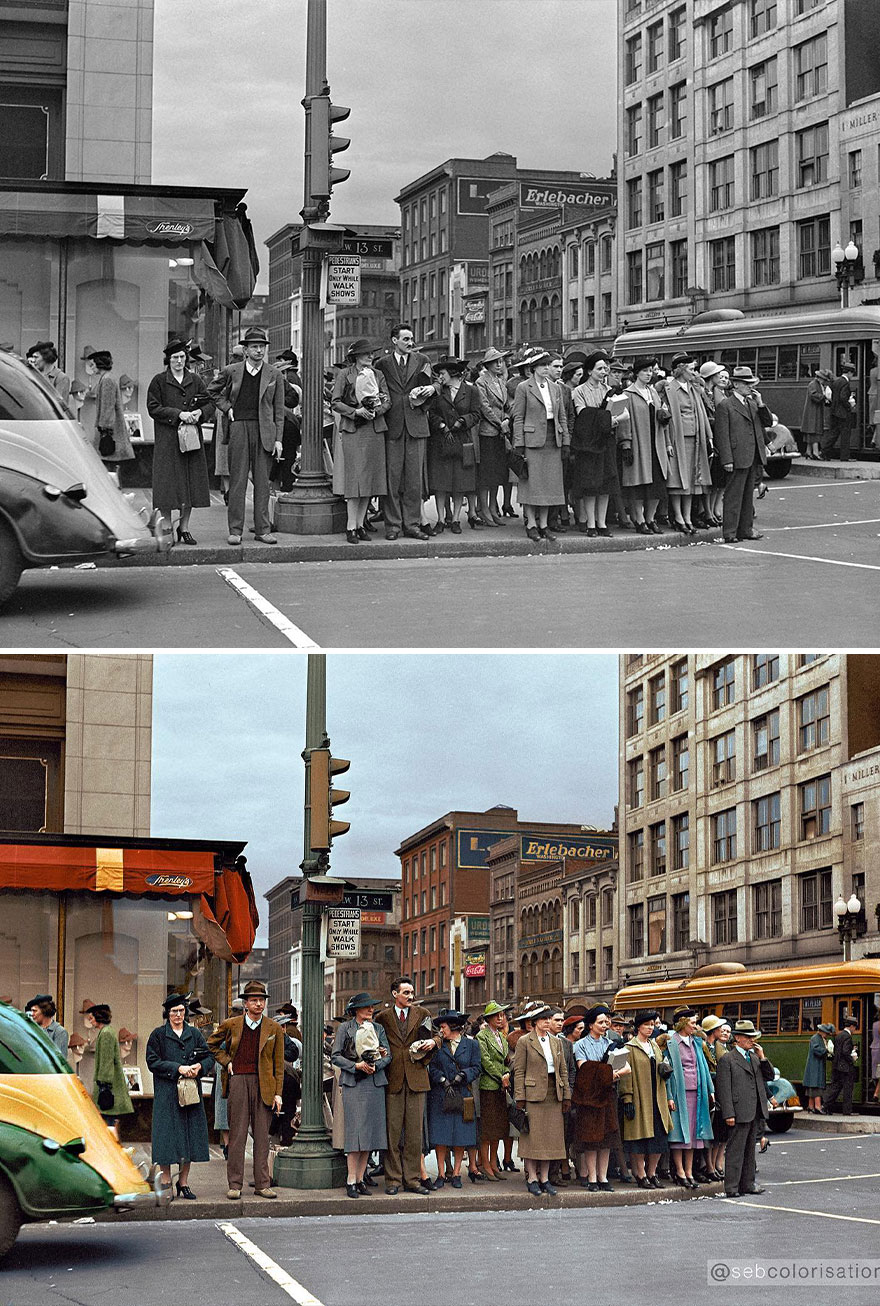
(618, 1059)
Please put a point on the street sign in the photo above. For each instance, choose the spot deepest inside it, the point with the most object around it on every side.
(343, 279)
(363, 899)
(343, 932)
(374, 246)
(322, 889)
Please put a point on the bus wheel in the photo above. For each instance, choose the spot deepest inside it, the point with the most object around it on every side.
(777, 468)
(11, 563)
(780, 1122)
(10, 1217)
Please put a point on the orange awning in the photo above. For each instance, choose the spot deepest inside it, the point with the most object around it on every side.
(106, 869)
(227, 920)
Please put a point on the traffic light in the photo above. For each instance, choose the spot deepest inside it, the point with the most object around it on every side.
(324, 145)
(323, 797)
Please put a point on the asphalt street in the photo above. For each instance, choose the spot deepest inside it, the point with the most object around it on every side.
(820, 1202)
(812, 581)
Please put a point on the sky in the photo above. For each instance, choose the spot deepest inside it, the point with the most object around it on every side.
(426, 80)
(425, 734)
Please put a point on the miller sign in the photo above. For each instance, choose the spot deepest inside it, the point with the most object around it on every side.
(578, 194)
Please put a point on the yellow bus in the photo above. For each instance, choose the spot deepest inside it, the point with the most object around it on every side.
(787, 1005)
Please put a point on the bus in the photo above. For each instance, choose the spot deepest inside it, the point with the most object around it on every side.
(787, 1005)
(783, 350)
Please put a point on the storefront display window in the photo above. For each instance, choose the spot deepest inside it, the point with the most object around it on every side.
(29, 280)
(28, 946)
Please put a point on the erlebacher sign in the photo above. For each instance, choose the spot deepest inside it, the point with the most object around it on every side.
(583, 195)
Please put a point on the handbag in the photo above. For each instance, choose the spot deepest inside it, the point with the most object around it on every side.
(468, 455)
(188, 437)
(517, 464)
(467, 1110)
(453, 1102)
(188, 1092)
(517, 1115)
(105, 1098)
(106, 444)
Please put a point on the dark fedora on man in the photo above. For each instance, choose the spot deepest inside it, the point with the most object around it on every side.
(740, 1080)
(741, 419)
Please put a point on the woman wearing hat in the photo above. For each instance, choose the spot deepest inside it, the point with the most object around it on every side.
(646, 1118)
(361, 1053)
(817, 402)
(689, 437)
(454, 445)
(456, 1066)
(360, 397)
(540, 431)
(495, 405)
(816, 1067)
(716, 386)
(494, 1083)
(109, 1091)
(714, 1046)
(177, 1051)
(111, 433)
(593, 446)
(690, 1096)
(595, 1131)
(644, 447)
(177, 398)
(541, 1088)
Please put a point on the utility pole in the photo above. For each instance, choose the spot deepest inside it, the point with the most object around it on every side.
(311, 508)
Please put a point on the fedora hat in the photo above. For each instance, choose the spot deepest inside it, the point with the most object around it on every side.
(746, 1028)
(358, 1000)
(743, 374)
(494, 355)
(255, 336)
(684, 1010)
(848, 367)
(682, 358)
(254, 989)
(618, 1018)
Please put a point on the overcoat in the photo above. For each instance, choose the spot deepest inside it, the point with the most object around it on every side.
(740, 1086)
(815, 408)
(495, 1060)
(680, 1128)
(108, 417)
(815, 1067)
(450, 475)
(223, 1045)
(646, 433)
(841, 393)
(739, 431)
(401, 1069)
(595, 1103)
(636, 1088)
(179, 1133)
(362, 1095)
(179, 479)
(686, 476)
(530, 1077)
(451, 1130)
(841, 1059)
(108, 1070)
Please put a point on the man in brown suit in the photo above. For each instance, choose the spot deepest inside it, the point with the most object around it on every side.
(406, 1026)
(250, 1050)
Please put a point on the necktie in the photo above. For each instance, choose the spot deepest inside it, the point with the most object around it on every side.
(403, 1017)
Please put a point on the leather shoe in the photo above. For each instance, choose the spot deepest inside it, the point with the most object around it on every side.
(266, 539)
(233, 1194)
(265, 1192)
(417, 535)
(730, 539)
(392, 533)
(233, 539)
(534, 1188)
(754, 1191)
(392, 1191)
(752, 535)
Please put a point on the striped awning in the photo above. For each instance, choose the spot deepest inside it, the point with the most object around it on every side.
(159, 219)
(107, 869)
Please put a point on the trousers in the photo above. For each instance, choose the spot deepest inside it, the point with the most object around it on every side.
(404, 1113)
(739, 1159)
(405, 471)
(841, 1086)
(248, 457)
(839, 432)
(247, 1110)
(739, 500)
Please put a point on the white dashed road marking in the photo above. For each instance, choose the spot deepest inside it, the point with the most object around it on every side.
(795, 1210)
(266, 609)
(270, 1268)
(804, 557)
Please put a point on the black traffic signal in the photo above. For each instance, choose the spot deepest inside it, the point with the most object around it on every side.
(324, 145)
(323, 797)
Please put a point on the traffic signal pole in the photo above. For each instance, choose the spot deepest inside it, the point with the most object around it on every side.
(310, 1161)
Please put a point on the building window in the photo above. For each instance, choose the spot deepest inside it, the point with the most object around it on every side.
(677, 110)
(815, 807)
(804, 6)
(607, 965)
(722, 751)
(765, 256)
(814, 248)
(636, 915)
(655, 120)
(657, 697)
(767, 900)
(635, 710)
(636, 770)
(657, 765)
(681, 921)
(722, 255)
(811, 67)
(655, 47)
(443, 845)
(656, 925)
(633, 59)
(815, 895)
(719, 29)
(724, 836)
(765, 668)
(658, 848)
(724, 917)
(607, 251)
(677, 188)
(575, 969)
(679, 259)
(764, 170)
(814, 720)
(633, 129)
(855, 169)
(680, 762)
(857, 821)
(721, 107)
(591, 912)
(634, 277)
(573, 314)
(721, 183)
(656, 206)
(723, 684)
(636, 859)
(678, 680)
(765, 735)
(634, 203)
(763, 88)
(807, 659)
(606, 309)
(607, 907)
(677, 33)
(812, 155)
(681, 841)
(762, 17)
(591, 965)
(655, 269)
(589, 310)
(767, 823)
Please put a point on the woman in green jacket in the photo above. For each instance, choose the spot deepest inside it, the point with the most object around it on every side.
(646, 1119)
(494, 1081)
(110, 1092)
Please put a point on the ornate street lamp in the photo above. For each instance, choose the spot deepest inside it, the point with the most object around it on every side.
(850, 923)
(849, 269)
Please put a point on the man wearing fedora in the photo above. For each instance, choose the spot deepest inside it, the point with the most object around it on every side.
(740, 1080)
(251, 394)
(841, 414)
(843, 1070)
(410, 386)
(407, 1027)
(250, 1050)
(740, 422)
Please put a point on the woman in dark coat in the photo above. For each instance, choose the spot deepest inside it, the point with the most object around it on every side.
(177, 1051)
(594, 447)
(457, 1063)
(495, 405)
(361, 399)
(643, 448)
(180, 480)
(815, 1068)
(454, 446)
(110, 428)
(817, 402)
(361, 1053)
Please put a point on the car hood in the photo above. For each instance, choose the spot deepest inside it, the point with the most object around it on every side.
(58, 1107)
(56, 452)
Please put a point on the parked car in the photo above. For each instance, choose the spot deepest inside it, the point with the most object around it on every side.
(58, 1159)
(58, 504)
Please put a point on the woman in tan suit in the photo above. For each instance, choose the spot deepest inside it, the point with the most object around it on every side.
(541, 431)
(540, 1082)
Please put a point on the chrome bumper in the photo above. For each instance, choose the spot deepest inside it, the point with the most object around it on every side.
(158, 1197)
(158, 541)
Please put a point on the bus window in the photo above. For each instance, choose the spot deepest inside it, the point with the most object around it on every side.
(788, 356)
(769, 1022)
(727, 358)
(808, 361)
(789, 1011)
(766, 367)
(748, 358)
(730, 1012)
(749, 1011)
(844, 354)
(849, 1007)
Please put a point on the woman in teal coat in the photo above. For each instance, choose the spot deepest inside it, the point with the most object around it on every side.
(110, 1091)
(690, 1096)
(177, 1051)
(815, 1071)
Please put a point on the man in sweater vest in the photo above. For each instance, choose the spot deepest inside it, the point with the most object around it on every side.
(250, 1049)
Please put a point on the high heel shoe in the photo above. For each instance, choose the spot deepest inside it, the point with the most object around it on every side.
(679, 526)
(352, 537)
(475, 522)
(186, 1192)
(509, 1165)
(184, 537)
(362, 533)
(456, 528)
(439, 527)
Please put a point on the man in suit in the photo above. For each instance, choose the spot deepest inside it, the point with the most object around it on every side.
(410, 386)
(740, 1081)
(740, 422)
(251, 394)
(407, 1026)
(843, 1070)
(250, 1050)
(841, 415)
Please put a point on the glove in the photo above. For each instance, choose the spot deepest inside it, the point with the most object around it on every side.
(459, 1079)
(626, 454)
(443, 1082)
(457, 426)
(629, 1110)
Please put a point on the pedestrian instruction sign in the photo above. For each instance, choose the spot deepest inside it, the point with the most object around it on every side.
(343, 279)
(343, 932)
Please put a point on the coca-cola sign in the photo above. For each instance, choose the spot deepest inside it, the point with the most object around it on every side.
(171, 229)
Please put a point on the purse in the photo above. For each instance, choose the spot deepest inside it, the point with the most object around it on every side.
(106, 444)
(105, 1098)
(453, 1102)
(517, 1115)
(188, 1092)
(468, 454)
(467, 1110)
(188, 437)
(517, 464)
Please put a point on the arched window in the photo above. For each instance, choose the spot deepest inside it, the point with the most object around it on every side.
(533, 319)
(544, 321)
(542, 264)
(524, 319)
(555, 316)
(556, 969)
(546, 970)
(524, 270)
